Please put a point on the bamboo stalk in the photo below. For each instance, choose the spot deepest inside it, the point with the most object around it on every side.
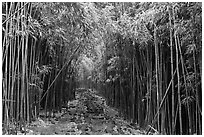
(10, 72)
(160, 90)
(196, 94)
(172, 68)
(18, 67)
(6, 79)
(178, 74)
(157, 75)
(133, 82)
(13, 74)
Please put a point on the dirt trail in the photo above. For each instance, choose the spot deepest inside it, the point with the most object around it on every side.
(87, 115)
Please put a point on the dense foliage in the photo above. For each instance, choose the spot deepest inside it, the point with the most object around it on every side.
(145, 58)
(150, 65)
(40, 45)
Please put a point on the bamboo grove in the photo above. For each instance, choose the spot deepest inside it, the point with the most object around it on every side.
(150, 69)
(40, 42)
(144, 58)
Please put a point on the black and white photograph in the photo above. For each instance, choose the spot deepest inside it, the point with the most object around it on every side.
(101, 68)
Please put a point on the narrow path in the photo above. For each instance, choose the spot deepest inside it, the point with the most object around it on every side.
(87, 115)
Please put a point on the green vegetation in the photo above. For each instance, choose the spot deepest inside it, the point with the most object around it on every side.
(144, 58)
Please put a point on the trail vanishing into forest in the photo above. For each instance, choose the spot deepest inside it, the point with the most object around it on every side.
(88, 114)
(76, 68)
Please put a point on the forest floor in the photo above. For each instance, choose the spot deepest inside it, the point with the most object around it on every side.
(88, 114)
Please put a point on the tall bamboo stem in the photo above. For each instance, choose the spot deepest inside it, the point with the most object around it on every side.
(172, 72)
(178, 75)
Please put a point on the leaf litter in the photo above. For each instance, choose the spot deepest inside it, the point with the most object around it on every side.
(88, 114)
